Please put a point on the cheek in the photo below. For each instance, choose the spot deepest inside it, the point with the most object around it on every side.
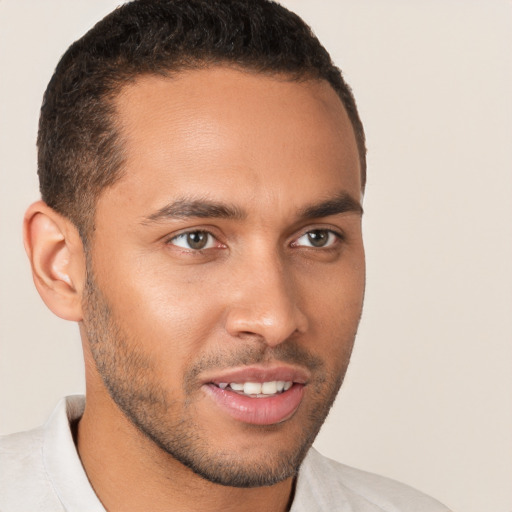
(333, 300)
(162, 312)
(334, 293)
(175, 310)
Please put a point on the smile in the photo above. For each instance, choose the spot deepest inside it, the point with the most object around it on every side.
(257, 389)
(257, 395)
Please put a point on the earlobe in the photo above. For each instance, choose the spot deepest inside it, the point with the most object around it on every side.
(56, 255)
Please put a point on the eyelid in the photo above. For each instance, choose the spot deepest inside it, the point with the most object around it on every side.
(338, 233)
(169, 239)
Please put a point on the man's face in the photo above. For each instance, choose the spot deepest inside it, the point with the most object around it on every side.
(226, 272)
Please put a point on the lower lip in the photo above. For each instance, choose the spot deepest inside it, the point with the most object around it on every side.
(257, 411)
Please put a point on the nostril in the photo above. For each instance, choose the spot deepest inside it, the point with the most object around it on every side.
(264, 301)
(271, 329)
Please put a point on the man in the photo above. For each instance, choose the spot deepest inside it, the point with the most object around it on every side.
(201, 166)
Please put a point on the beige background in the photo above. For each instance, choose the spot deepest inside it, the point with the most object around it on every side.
(428, 397)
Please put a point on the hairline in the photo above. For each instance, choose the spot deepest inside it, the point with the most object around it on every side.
(110, 101)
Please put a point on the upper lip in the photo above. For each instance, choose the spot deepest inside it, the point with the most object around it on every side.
(256, 373)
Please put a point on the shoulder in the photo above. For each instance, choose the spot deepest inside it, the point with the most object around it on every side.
(23, 481)
(40, 468)
(324, 484)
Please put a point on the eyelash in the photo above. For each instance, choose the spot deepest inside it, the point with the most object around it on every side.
(187, 234)
(334, 237)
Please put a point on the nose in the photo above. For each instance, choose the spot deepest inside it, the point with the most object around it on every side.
(264, 302)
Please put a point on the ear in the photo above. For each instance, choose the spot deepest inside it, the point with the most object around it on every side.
(56, 254)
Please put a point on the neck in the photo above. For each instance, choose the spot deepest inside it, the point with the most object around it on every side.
(129, 472)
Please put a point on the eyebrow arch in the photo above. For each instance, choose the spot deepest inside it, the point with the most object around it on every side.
(201, 208)
(205, 208)
(342, 203)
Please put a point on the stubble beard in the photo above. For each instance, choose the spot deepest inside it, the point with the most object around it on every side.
(128, 375)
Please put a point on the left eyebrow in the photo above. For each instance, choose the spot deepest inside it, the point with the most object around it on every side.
(342, 203)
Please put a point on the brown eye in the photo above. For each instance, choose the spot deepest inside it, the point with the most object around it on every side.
(195, 240)
(317, 238)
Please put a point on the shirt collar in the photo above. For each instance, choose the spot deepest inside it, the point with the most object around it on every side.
(61, 460)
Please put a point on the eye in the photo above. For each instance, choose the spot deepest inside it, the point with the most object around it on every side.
(317, 238)
(194, 240)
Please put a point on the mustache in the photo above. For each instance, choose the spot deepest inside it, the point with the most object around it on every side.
(287, 352)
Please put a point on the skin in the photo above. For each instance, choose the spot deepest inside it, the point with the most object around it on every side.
(159, 319)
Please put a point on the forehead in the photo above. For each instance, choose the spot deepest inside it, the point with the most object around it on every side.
(226, 132)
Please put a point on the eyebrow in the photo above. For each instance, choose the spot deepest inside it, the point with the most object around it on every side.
(200, 208)
(205, 208)
(342, 203)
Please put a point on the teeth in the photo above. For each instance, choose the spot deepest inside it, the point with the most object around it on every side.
(252, 388)
(259, 389)
(269, 388)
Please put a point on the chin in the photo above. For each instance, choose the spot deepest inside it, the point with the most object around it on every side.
(244, 470)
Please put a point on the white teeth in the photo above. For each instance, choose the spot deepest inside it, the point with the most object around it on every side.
(258, 388)
(252, 388)
(269, 388)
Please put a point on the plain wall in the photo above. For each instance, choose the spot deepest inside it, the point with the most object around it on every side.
(428, 397)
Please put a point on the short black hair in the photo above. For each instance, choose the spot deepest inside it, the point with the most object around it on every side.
(79, 153)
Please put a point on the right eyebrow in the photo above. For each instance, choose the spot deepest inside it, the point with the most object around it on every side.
(200, 208)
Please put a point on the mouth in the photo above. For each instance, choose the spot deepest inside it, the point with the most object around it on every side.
(257, 389)
(258, 396)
